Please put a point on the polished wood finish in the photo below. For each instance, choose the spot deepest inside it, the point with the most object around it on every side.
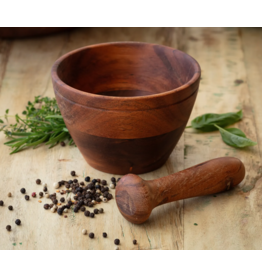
(136, 198)
(21, 32)
(120, 99)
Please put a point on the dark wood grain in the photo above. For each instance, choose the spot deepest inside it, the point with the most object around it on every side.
(119, 100)
(20, 32)
(136, 198)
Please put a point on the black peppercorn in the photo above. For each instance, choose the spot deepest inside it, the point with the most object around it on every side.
(96, 211)
(41, 194)
(51, 205)
(98, 180)
(101, 210)
(103, 182)
(98, 199)
(70, 182)
(73, 173)
(87, 179)
(98, 187)
(82, 183)
(55, 201)
(45, 189)
(113, 179)
(8, 227)
(106, 189)
(87, 213)
(62, 199)
(83, 208)
(91, 235)
(117, 241)
(94, 181)
(62, 144)
(1, 203)
(109, 196)
(22, 190)
(60, 211)
(92, 215)
(10, 208)
(67, 185)
(134, 241)
(104, 234)
(38, 181)
(46, 206)
(75, 180)
(27, 197)
(18, 222)
(90, 204)
(76, 209)
(103, 189)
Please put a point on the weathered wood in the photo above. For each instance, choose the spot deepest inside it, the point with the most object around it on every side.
(28, 75)
(230, 220)
(18, 32)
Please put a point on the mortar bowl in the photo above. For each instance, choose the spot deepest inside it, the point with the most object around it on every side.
(126, 104)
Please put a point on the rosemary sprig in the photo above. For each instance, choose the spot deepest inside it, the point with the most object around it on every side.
(40, 123)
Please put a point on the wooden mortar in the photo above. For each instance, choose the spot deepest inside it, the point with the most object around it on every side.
(126, 104)
(136, 198)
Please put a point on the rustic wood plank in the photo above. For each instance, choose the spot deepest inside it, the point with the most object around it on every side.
(229, 220)
(27, 74)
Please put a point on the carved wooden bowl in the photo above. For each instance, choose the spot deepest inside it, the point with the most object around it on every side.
(21, 32)
(126, 104)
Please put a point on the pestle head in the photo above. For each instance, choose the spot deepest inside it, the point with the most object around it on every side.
(133, 198)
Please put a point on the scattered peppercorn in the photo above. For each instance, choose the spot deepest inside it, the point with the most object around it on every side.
(27, 197)
(18, 222)
(87, 213)
(73, 173)
(41, 194)
(134, 242)
(91, 235)
(62, 199)
(46, 206)
(22, 190)
(10, 208)
(87, 179)
(33, 194)
(45, 189)
(38, 181)
(96, 211)
(104, 234)
(92, 215)
(83, 208)
(55, 201)
(8, 227)
(9, 194)
(101, 210)
(1, 203)
(112, 186)
(109, 196)
(117, 241)
(82, 183)
(113, 179)
(62, 144)
(94, 181)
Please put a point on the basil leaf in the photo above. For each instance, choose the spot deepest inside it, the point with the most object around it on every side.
(236, 131)
(206, 122)
(234, 137)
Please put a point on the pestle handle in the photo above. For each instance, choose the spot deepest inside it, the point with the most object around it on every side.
(211, 177)
(136, 198)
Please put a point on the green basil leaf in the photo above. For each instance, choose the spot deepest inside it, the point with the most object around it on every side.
(232, 138)
(236, 131)
(206, 122)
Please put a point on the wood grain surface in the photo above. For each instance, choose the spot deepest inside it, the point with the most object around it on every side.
(231, 220)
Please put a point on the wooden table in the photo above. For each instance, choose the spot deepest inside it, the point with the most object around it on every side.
(231, 220)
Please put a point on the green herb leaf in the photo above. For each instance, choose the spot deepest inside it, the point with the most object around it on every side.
(6, 112)
(235, 137)
(206, 122)
(1, 121)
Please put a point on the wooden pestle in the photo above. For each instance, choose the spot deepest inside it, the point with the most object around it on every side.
(136, 198)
